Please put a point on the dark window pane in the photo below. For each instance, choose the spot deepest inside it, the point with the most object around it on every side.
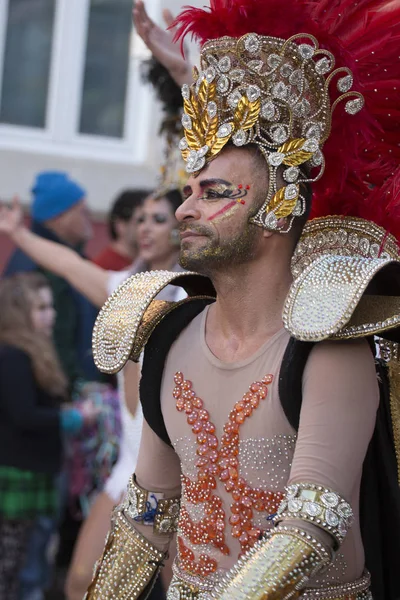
(27, 58)
(106, 68)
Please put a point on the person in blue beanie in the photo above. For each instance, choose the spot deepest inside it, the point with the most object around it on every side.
(59, 213)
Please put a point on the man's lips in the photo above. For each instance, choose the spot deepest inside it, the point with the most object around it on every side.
(187, 234)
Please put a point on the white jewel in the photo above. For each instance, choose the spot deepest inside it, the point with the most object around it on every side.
(275, 158)
(345, 83)
(331, 518)
(224, 64)
(283, 504)
(183, 144)
(211, 109)
(354, 106)
(314, 131)
(239, 138)
(234, 98)
(185, 91)
(286, 70)
(298, 209)
(237, 75)
(203, 151)
(295, 505)
(224, 130)
(302, 108)
(342, 528)
(186, 121)
(317, 159)
(253, 92)
(296, 77)
(251, 43)
(210, 74)
(268, 110)
(279, 133)
(291, 191)
(312, 508)
(310, 145)
(306, 51)
(292, 490)
(330, 499)
(223, 84)
(165, 525)
(345, 510)
(280, 90)
(290, 175)
(194, 162)
(270, 220)
(255, 65)
(274, 60)
(323, 66)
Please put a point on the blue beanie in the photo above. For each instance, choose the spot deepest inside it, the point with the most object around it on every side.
(53, 194)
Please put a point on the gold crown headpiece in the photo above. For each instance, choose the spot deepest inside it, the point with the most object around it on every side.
(273, 93)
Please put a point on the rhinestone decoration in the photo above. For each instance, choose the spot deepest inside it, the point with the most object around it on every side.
(210, 74)
(306, 51)
(323, 66)
(237, 75)
(252, 43)
(308, 505)
(311, 145)
(212, 109)
(223, 84)
(255, 65)
(276, 158)
(279, 133)
(292, 190)
(183, 144)
(224, 130)
(234, 98)
(239, 138)
(185, 91)
(253, 92)
(186, 121)
(280, 90)
(354, 106)
(345, 83)
(224, 65)
(330, 499)
(290, 175)
(268, 110)
(274, 60)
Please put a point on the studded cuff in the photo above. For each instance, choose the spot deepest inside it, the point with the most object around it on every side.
(129, 565)
(151, 508)
(275, 568)
(319, 505)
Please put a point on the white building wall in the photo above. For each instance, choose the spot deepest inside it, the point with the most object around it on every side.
(102, 166)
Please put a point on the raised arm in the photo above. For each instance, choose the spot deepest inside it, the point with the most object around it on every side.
(161, 45)
(86, 277)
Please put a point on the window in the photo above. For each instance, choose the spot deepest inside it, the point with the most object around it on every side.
(26, 63)
(70, 79)
(106, 68)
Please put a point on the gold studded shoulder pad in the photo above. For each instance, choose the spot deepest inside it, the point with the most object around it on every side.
(131, 314)
(343, 297)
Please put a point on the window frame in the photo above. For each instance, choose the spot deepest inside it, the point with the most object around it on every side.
(61, 136)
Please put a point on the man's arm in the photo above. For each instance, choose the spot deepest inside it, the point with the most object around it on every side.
(340, 400)
(142, 526)
(83, 275)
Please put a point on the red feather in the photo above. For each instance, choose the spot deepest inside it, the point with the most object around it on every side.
(362, 153)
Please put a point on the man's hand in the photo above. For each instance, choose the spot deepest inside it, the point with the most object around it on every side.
(161, 44)
(11, 218)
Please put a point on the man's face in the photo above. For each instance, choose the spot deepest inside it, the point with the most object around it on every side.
(127, 230)
(214, 217)
(74, 225)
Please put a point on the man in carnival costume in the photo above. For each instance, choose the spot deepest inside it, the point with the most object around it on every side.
(271, 431)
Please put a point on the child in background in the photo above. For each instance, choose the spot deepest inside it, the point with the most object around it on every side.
(33, 417)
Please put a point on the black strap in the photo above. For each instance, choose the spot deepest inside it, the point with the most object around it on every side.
(155, 355)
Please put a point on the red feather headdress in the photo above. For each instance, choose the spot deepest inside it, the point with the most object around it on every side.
(362, 176)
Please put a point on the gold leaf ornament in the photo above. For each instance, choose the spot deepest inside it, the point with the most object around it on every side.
(298, 156)
(281, 206)
(246, 113)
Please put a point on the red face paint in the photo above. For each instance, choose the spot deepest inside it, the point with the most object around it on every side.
(222, 210)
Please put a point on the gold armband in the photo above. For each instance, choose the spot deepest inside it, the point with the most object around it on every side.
(129, 565)
(319, 505)
(276, 568)
(151, 508)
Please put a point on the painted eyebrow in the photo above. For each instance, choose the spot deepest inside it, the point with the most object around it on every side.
(206, 183)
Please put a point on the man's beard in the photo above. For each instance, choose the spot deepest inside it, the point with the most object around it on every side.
(215, 255)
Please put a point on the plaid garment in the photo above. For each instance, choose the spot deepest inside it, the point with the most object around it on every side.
(26, 495)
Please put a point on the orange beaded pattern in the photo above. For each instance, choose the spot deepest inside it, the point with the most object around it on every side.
(219, 461)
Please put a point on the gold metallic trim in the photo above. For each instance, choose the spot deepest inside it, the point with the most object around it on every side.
(129, 565)
(128, 318)
(322, 300)
(373, 315)
(394, 376)
(151, 508)
(319, 505)
(274, 568)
